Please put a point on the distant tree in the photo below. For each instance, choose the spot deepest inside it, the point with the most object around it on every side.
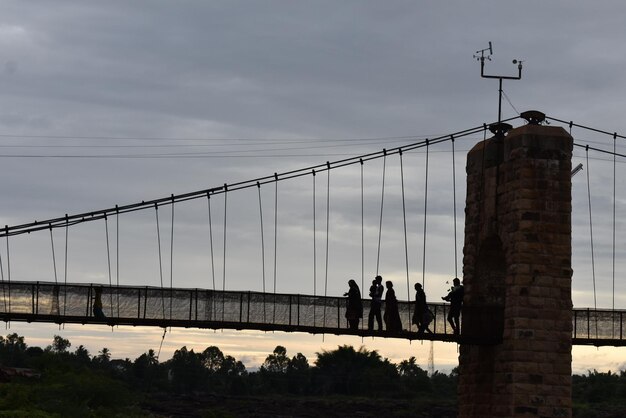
(413, 377)
(348, 371)
(13, 350)
(59, 345)
(82, 354)
(212, 359)
(103, 357)
(187, 370)
(277, 362)
(299, 363)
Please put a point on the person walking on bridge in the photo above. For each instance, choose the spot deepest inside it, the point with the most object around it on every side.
(354, 308)
(376, 293)
(455, 297)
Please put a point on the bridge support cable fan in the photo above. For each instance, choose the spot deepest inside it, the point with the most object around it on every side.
(406, 242)
(382, 205)
(593, 265)
(262, 249)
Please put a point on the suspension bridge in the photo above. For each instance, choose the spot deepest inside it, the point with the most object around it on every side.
(62, 300)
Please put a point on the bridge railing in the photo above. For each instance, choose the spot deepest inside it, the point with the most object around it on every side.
(202, 308)
(196, 307)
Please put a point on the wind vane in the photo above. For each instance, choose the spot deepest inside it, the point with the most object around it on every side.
(482, 57)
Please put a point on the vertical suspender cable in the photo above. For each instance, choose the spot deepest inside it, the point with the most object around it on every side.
(425, 218)
(65, 267)
(456, 257)
(314, 253)
(275, 240)
(362, 233)
(593, 266)
(406, 243)
(106, 231)
(4, 295)
(9, 269)
(614, 195)
(172, 260)
(156, 212)
(54, 261)
(327, 238)
(614, 198)
(212, 307)
(117, 257)
(262, 248)
(224, 261)
(382, 202)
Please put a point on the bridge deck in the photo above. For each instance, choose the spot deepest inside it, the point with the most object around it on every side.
(201, 308)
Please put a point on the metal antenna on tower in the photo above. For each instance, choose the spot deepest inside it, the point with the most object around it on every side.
(482, 57)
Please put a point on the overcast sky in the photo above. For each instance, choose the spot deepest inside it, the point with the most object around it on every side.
(105, 103)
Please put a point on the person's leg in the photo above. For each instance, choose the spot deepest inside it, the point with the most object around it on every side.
(451, 321)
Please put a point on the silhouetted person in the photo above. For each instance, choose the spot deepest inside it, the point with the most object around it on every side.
(392, 316)
(422, 316)
(97, 304)
(376, 293)
(354, 309)
(455, 297)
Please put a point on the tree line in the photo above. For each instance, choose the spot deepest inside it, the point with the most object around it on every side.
(74, 382)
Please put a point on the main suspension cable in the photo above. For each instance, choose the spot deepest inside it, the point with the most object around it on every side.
(99, 214)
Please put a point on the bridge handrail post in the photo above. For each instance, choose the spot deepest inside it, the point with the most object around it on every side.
(338, 313)
(88, 300)
(298, 301)
(240, 307)
(248, 313)
(588, 323)
(196, 304)
(190, 304)
(289, 310)
(138, 302)
(145, 304)
(33, 298)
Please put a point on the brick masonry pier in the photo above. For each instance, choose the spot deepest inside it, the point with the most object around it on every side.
(517, 275)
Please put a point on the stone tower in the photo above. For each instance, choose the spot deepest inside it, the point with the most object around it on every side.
(517, 275)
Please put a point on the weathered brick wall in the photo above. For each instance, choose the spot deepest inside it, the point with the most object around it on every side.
(517, 276)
